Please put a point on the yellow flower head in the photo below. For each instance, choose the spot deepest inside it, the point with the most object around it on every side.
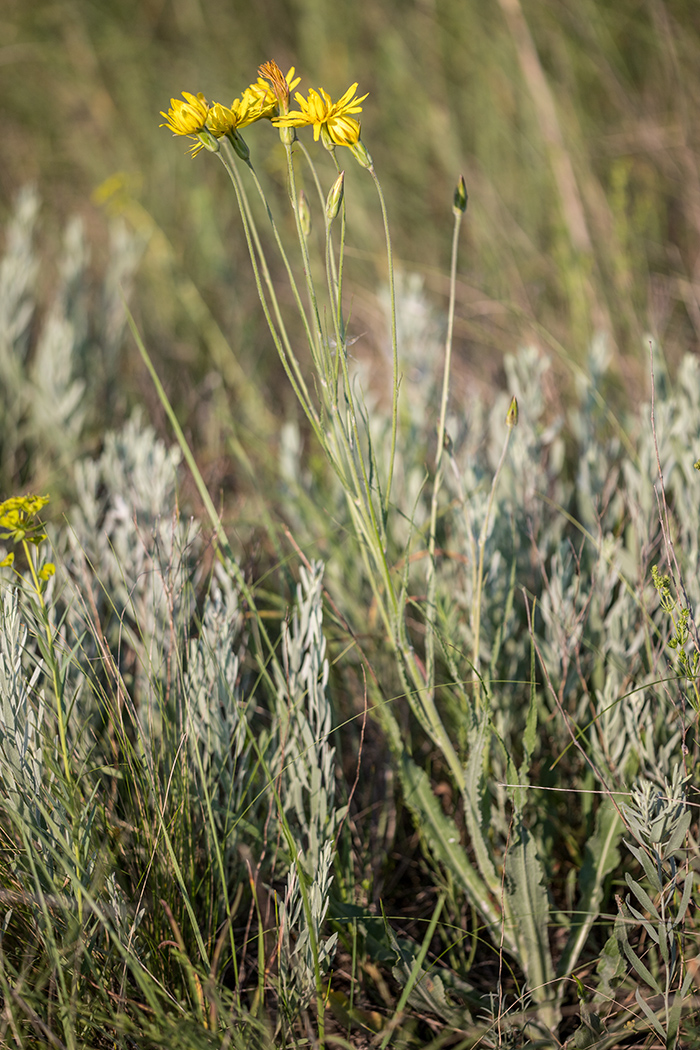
(272, 98)
(330, 119)
(18, 519)
(189, 118)
(220, 120)
(186, 118)
(223, 120)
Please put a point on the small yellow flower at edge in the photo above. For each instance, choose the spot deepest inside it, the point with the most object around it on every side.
(186, 118)
(190, 118)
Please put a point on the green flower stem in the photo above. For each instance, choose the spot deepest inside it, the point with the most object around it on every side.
(437, 482)
(337, 278)
(336, 274)
(394, 343)
(336, 297)
(287, 265)
(293, 370)
(228, 159)
(323, 348)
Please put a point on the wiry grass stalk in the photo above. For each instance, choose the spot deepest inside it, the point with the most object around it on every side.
(431, 611)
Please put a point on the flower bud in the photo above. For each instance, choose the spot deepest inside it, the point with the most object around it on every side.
(326, 139)
(304, 214)
(361, 155)
(335, 198)
(512, 415)
(208, 140)
(460, 198)
(239, 145)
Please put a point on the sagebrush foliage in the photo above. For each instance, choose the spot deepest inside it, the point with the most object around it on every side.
(196, 858)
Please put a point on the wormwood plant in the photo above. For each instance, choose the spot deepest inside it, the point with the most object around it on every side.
(58, 359)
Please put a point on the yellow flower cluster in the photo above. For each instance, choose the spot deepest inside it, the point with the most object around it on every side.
(198, 119)
(17, 519)
(19, 524)
(268, 98)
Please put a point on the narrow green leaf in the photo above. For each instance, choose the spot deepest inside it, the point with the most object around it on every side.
(651, 1016)
(530, 734)
(644, 922)
(473, 795)
(529, 905)
(642, 896)
(639, 966)
(685, 899)
(650, 869)
(442, 836)
(601, 856)
(679, 832)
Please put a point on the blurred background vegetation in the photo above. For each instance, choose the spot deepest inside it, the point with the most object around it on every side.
(576, 126)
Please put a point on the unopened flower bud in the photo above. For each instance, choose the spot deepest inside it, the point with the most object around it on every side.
(335, 198)
(461, 198)
(326, 139)
(239, 145)
(512, 416)
(304, 214)
(361, 155)
(208, 140)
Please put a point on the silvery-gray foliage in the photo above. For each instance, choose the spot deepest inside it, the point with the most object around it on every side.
(305, 721)
(57, 363)
(217, 717)
(22, 766)
(30, 785)
(306, 788)
(126, 534)
(658, 819)
(301, 943)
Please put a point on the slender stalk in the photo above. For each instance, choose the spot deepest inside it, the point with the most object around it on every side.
(319, 188)
(306, 261)
(431, 611)
(394, 342)
(285, 260)
(293, 370)
(479, 569)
